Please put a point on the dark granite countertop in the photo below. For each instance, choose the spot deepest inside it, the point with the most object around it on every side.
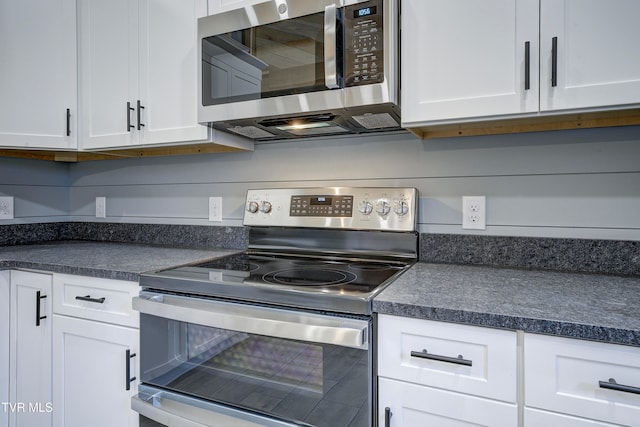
(123, 261)
(586, 306)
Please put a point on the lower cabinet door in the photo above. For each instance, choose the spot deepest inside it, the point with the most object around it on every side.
(411, 405)
(90, 380)
(4, 345)
(536, 418)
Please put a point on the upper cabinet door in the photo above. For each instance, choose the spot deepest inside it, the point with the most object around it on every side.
(465, 58)
(597, 58)
(38, 106)
(168, 73)
(108, 52)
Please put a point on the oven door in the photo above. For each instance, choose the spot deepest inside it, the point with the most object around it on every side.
(204, 362)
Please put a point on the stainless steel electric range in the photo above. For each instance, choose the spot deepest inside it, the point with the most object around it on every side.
(283, 333)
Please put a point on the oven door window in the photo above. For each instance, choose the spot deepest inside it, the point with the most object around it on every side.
(297, 381)
(282, 58)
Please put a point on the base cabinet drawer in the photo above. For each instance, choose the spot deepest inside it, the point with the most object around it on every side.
(536, 418)
(466, 359)
(411, 405)
(104, 300)
(582, 378)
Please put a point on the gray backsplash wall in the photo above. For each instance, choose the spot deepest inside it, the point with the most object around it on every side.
(573, 184)
(570, 184)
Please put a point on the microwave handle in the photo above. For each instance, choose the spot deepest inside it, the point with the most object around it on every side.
(330, 47)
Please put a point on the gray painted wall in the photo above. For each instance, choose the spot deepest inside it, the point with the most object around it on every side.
(580, 183)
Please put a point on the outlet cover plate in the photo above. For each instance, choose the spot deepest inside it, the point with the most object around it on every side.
(215, 209)
(6, 207)
(101, 207)
(474, 215)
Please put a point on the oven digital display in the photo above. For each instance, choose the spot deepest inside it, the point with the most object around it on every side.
(320, 201)
(321, 206)
(365, 11)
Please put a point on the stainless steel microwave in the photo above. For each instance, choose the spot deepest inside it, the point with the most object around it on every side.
(296, 68)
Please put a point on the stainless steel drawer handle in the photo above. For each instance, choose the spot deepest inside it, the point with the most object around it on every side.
(613, 385)
(89, 299)
(424, 354)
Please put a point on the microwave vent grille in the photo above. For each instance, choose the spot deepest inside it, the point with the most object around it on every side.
(376, 121)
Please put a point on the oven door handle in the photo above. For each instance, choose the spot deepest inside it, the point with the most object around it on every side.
(330, 47)
(174, 409)
(341, 331)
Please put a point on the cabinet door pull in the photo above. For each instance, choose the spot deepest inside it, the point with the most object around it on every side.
(129, 110)
(554, 62)
(457, 360)
(127, 364)
(613, 385)
(39, 297)
(387, 417)
(68, 122)
(89, 299)
(527, 65)
(140, 108)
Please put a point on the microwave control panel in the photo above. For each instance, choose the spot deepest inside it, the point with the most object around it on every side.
(364, 43)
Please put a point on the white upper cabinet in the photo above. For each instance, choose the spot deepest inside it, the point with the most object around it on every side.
(216, 6)
(598, 55)
(38, 90)
(464, 60)
(138, 75)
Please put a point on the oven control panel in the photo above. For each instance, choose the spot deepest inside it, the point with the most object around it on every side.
(356, 208)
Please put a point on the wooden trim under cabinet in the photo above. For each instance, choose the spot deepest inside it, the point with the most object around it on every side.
(615, 118)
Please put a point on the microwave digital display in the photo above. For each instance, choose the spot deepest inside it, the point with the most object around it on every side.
(365, 11)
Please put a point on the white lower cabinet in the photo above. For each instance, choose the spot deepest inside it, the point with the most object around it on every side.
(595, 381)
(537, 418)
(30, 352)
(95, 346)
(5, 283)
(443, 374)
(411, 405)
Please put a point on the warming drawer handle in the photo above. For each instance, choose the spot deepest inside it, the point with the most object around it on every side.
(330, 48)
(257, 320)
(613, 385)
(460, 360)
(88, 298)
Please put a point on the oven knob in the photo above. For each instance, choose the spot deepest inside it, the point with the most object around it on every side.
(402, 208)
(383, 208)
(365, 208)
(265, 207)
(252, 207)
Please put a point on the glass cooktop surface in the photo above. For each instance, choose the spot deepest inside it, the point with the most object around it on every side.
(307, 282)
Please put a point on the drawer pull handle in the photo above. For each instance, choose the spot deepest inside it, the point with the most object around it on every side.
(613, 385)
(89, 299)
(424, 354)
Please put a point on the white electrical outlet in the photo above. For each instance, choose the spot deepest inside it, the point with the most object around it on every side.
(6, 207)
(101, 207)
(215, 209)
(474, 212)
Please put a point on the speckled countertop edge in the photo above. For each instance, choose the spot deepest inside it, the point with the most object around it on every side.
(584, 306)
(121, 261)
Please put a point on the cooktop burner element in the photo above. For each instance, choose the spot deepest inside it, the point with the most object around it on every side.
(301, 254)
